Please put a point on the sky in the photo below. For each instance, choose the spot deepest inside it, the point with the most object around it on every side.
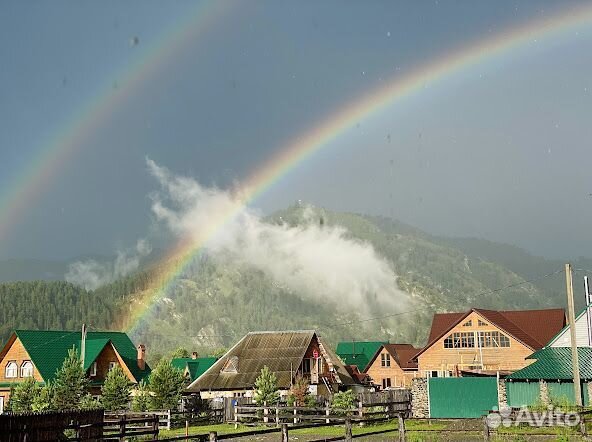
(500, 150)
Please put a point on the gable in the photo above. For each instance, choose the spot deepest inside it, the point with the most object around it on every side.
(14, 351)
(563, 338)
(532, 328)
(282, 352)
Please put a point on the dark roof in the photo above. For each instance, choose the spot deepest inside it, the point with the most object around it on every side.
(358, 353)
(282, 352)
(357, 375)
(48, 349)
(533, 328)
(555, 363)
(402, 353)
(195, 367)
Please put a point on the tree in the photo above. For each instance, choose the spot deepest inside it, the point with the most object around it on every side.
(218, 352)
(23, 396)
(299, 393)
(166, 384)
(116, 390)
(180, 352)
(44, 400)
(141, 400)
(343, 401)
(70, 384)
(266, 390)
(87, 402)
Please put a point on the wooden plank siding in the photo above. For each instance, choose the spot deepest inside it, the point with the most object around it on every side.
(16, 352)
(438, 358)
(398, 377)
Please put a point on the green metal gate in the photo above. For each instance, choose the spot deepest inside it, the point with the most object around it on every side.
(462, 397)
(522, 394)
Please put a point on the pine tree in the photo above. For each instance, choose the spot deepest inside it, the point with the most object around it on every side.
(141, 399)
(70, 384)
(266, 390)
(116, 390)
(44, 400)
(23, 396)
(166, 384)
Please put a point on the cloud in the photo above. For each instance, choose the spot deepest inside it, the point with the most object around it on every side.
(312, 260)
(92, 274)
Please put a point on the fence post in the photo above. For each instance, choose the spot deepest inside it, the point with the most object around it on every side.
(213, 436)
(236, 416)
(122, 428)
(277, 416)
(285, 433)
(401, 428)
(327, 413)
(169, 419)
(295, 413)
(186, 429)
(360, 410)
(155, 425)
(485, 429)
(348, 430)
(265, 412)
(583, 425)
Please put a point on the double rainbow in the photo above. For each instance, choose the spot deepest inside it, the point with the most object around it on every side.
(321, 136)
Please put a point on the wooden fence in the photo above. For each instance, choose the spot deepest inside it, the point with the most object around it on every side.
(72, 425)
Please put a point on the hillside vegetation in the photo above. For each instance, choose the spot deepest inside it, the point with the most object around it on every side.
(215, 302)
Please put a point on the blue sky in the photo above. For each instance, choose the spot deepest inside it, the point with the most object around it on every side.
(499, 151)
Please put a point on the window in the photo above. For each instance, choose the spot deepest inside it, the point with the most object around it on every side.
(93, 369)
(493, 339)
(481, 323)
(112, 365)
(26, 369)
(385, 360)
(468, 323)
(434, 373)
(11, 370)
(306, 365)
(386, 382)
(460, 340)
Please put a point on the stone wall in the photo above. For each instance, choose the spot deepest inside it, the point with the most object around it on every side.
(420, 401)
(544, 394)
(502, 397)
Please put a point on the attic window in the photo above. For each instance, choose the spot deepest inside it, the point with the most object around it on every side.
(11, 370)
(482, 323)
(26, 369)
(469, 323)
(231, 365)
(93, 369)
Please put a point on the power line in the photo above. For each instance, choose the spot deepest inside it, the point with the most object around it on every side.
(528, 281)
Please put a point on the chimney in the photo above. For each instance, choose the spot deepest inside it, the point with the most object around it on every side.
(194, 355)
(141, 356)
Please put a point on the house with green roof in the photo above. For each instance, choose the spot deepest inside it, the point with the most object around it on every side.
(39, 354)
(550, 378)
(194, 366)
(358, 353)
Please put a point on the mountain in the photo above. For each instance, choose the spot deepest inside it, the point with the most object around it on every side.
(215, 301)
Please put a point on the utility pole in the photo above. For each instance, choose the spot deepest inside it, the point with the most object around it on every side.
(83, 344)
(571, 316)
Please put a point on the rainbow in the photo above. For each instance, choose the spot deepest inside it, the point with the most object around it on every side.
(101, 105)
(338, 123)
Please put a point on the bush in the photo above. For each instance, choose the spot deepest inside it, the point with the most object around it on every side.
(344, 401)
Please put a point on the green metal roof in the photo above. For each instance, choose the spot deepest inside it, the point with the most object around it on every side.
(48, 349)
(358, 353)
(196, 367)
(555, 363)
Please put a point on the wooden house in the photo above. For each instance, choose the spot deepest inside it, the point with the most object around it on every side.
(39, 354)
(286, 354)
(393, 366)
(486, 341)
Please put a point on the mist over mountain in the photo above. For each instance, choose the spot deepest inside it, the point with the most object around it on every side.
(219, 297)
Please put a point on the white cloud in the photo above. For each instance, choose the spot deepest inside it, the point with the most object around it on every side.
(313, 260)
